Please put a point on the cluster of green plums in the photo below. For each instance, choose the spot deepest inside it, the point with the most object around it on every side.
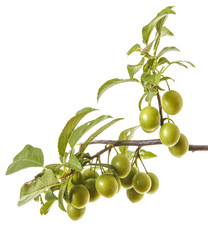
(88, 185)
(170, 135)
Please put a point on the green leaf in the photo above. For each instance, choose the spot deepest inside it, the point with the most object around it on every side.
(28, 157)
(46, 207)
(61, 195)
(82, 156)
(74, 163)
(159, 88)
(166, 32)
(152, 92)
(163, 60)
(167, 49)
(80, 131)
(157, 42)
(54, 167)
(146, 50)
(180, 62)
(61, 158)
(126, 135)
(133, 69)
(85, 110)
(50, 196)
(69, 128)
(190, 63)
(167, 10)
(31, 190)
(166, 78)
(111, 83)
(99, 131)
(136, 47)
(157, 78)
(153, 64)
(150, 66)
(145, 80)
(147, 30)
(148, 78)
(160, 24)
(149, 47)
(146, 154)
(37, 199)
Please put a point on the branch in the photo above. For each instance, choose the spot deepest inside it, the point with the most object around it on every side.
(194, 148)
(139, 143)
(118, 143)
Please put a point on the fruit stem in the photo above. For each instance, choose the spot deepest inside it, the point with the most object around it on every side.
(143, 164)
(139, 157)
(112, 146)
(135, 158)
(160, 108)
(167, 84)
(168, 118)
(136, 164)
(108, 159)
(100, 164)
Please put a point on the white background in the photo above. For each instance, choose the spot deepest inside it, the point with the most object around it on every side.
(54, 55)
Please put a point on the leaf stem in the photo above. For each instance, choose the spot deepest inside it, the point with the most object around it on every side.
(41, 199)
(166, 67)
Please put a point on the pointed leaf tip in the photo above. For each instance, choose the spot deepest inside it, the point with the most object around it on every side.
(98, 132)
(167, 49)
(69, 128)
(29, 156)
(147, 29)
(127, 134)
(111, 83)
(81, 130)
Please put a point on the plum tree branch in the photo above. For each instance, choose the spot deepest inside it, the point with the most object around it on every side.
(138, 143)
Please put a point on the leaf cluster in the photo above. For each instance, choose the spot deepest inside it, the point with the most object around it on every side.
(55, 176)
(153, 63)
